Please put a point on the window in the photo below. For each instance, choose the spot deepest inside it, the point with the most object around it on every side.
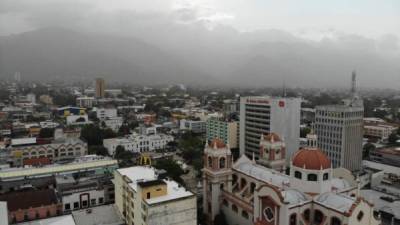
(84, 203)
(221, 186)
(268, 214)
(312, 177)
(234, 208)
(318, 217)
(298, 174)
(93, 201)
(209, 162)
(225, 202)
(306, 215)
(245, 214)
(335, 221)
(101, 200)
(67, 206)
(293, 219)
(148, 195)
(76, 205)
(326, 176)
(360, 216)
(222, 162)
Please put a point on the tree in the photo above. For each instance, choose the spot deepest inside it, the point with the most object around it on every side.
(173, 169)
(98, 150)
(46, 133)
(367, 149)
(304, 132)
(393, 138)
(94, 135)
(119, 151)
(125, 158)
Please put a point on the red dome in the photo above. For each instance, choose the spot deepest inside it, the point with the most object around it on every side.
(311, 159)
(217, 142)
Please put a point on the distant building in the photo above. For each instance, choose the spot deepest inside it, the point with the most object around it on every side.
(13, 179)
(377, 128)
(225, 130)
(100, 88)
(262, 115)
(388, 156)
(138, 143)
(61, 149)
(104, 113)
(85, 101)
(195, 126)
(69, 110)
(144, 198)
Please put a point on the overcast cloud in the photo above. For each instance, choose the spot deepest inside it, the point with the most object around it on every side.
(233, 30)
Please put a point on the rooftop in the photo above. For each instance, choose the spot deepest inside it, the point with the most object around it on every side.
(104, 215)
(59, 220)
(140, 174)
(338, 202)
(29, 199)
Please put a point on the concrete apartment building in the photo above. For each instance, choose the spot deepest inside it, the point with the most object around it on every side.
(143, 198)
(225, 130)
(264, 114)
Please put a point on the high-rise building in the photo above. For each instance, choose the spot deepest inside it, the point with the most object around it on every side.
(340, 131)
(100, 88)
(261, 115)
(223, 129)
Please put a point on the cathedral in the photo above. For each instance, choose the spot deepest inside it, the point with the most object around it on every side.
(250, 192)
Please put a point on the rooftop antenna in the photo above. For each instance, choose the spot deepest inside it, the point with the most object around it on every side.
(353, 83)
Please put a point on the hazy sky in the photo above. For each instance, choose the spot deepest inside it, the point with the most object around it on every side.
(312, 19)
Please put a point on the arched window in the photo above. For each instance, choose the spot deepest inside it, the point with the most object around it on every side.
(293, 219)
(234, 179)
(252, 187)
(298, 174)
(221, 186)
(318, 217)
(326, 176)
(225, 202)
(209, 161)
(234, 208)
(312, 177)
(335, 221)
(306, 215)
(222, 162)
(243, 183)
(245, 214)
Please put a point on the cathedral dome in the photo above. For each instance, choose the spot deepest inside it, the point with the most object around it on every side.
(217, 143)
(311, 159)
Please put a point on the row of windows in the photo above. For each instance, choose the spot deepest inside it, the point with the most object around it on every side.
(310, 176)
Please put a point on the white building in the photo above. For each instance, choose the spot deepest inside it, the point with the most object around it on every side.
(138, 143)
(195, 126)
(78, 120)
(142, 198)
(105, 113)
(114, 123)
(85, 101)
(340, 134)
(262, 115)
